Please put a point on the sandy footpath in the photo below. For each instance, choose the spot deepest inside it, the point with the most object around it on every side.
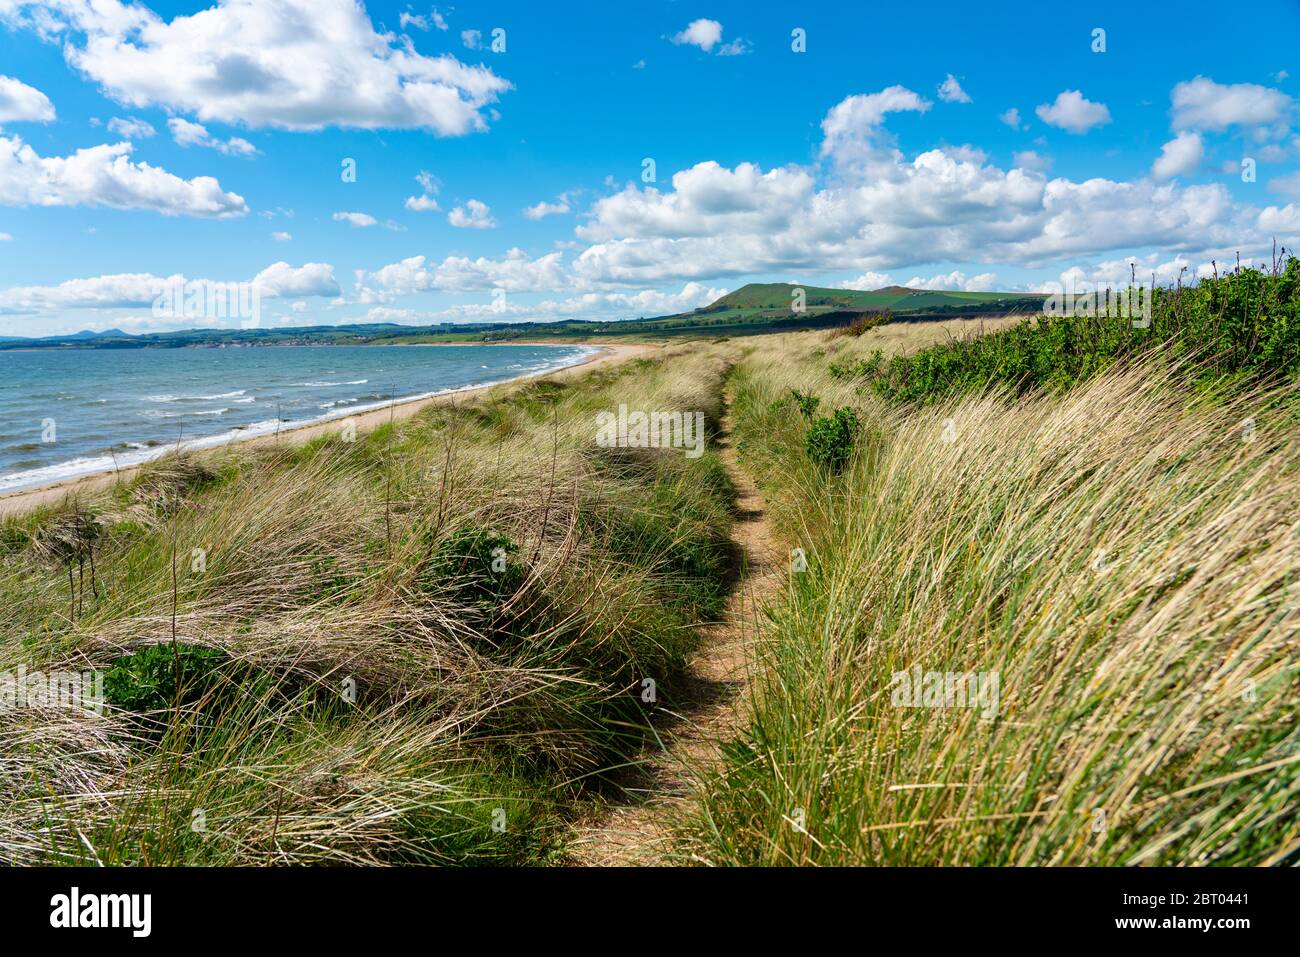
(21, 500)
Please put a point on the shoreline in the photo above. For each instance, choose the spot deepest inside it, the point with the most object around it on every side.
(20, 500)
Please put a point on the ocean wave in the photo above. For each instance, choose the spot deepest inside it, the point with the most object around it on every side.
(196, 398)
(319, 385)
(138, 454)
(56, 473)
(160, 414)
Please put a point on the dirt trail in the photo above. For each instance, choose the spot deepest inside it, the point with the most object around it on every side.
(705, 710)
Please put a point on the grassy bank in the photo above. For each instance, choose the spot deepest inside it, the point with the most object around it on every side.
(421, 646)
(1238, 327)
(1120, 561)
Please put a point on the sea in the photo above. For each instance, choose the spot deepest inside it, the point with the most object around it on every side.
(76, 412)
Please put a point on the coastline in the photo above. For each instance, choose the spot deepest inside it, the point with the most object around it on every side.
(25, 499)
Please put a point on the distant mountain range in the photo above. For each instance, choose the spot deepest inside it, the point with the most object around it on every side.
(754, 308)
(83, 334)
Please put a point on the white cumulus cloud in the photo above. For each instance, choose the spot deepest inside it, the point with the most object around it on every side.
(106, 176)
(131, 128)
(1073, 112)
(20, 102)
(359, 220)
(289, 64)
(1180, 156)
(956, 281)
(136, 290)
(950, 91)
(705, 34)
(853, 135)
(473, 215)
(1031, 160)
(1202, 104)
(309, 279)
(186, 133)
(516, 272)
(544, 209)
(866, 282)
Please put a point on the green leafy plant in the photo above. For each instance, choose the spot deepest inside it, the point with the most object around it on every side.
(864, 323)
(859, 368)
(1242, 324)
(477, 562)
(148, 680)
(807, 403)
(829, 441)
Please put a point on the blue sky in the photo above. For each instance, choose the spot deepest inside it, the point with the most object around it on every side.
(140, 142)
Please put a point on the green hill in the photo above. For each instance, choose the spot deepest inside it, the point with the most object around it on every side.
(774, 299)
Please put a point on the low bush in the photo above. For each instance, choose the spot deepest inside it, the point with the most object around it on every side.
(829, 441)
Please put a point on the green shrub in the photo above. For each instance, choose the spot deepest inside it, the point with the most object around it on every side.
(864, 323)
(1242, 324)
(148, 680)
(829, 441)
(476, 562)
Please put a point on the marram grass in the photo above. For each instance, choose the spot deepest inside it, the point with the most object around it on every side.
(1124, 557)
(418, 647)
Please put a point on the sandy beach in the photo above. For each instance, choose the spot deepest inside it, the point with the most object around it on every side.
(21, 500)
